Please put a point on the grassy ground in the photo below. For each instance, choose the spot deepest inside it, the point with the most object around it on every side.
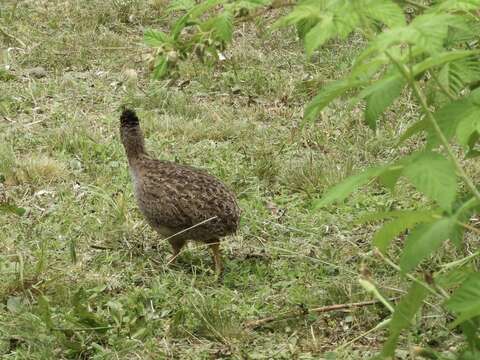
(82, 274)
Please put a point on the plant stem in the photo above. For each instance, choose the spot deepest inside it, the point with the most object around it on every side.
(459, 262)
(467, 205)
(411, 277)
(469, 227)
(442, 87)
(10, 36)
(423, 103)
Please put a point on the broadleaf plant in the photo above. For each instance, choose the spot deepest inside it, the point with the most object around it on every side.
(435, 57)
(203, 30)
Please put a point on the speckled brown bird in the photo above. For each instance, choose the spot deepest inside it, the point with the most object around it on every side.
(180, 202)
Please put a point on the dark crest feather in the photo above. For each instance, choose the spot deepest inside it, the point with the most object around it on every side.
(129, 118)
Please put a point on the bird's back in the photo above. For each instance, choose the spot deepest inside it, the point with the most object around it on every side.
(175, 197)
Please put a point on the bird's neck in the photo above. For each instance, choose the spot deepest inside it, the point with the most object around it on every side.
(133, 142)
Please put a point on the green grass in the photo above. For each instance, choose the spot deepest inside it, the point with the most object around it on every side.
(83, 276)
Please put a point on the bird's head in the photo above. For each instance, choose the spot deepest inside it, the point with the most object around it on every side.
(129, 118)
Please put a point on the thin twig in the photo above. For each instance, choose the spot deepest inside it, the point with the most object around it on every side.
(254, 324)
(117, 48)
(10, 36)
(85, 329)
(184, 230)
(381, 325)
(101, 247)
(296, 254)
(191, 227)
(9, 120)
(34, 123)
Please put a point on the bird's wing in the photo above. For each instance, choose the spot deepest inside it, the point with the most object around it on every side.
(182, 196)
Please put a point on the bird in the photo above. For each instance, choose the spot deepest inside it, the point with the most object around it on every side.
(179, 201)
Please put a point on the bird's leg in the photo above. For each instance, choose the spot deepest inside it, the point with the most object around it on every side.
(177, 245)
(217, 259)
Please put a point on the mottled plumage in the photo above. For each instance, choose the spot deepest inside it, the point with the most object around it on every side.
(174, 197)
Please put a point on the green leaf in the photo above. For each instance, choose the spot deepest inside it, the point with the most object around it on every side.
(367, 69)
(463, 73)
(180, 5)
(155, 38)
(346, 187)
(430, 30)
(14, 304)
(392, 229)
(225, 26)
(449, 117)
(319, 34)
(245, 4)
(179, 26)
(221, 25)
(419, 126)
(426, 33)
(89, 319)
(457, 235)
(465, 301)
(390, 176)
(463, 211)
(83, 315)
(203, 7)
(161, 68)
(79, 297)
(394, 214)
(454, 278)
(327, 94)
(6, 75)
(139, 333)
(116, 311)
(10, 208)
(403, 316)
(44, 308)
(385, 11)
(346, 24)
(472, 153)
(468, 126)
(456, 5)
(304, 26)
(442, 59)
(423, 241)
(433, 175)
(301, 12)
(381, 95)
